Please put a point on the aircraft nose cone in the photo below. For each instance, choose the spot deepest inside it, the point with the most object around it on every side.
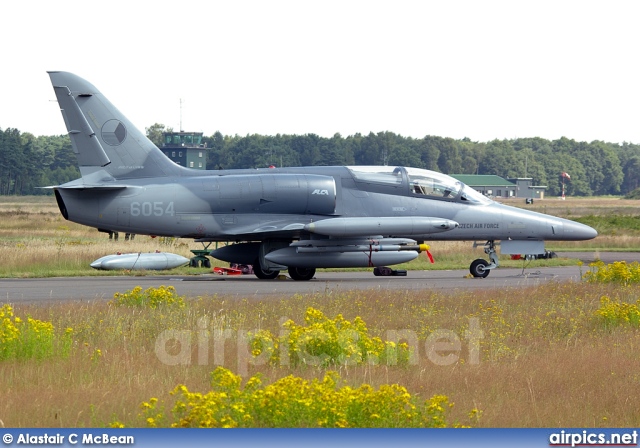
(96, 264)
(578, 232)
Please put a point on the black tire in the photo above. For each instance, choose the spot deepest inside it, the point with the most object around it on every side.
(302, 273)
(206, 263)
(263, 274)
(477, 268)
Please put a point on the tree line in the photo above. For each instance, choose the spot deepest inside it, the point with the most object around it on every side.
(596, 168)
(28, 163)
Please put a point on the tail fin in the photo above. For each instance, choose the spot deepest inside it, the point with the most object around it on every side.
(107, 145)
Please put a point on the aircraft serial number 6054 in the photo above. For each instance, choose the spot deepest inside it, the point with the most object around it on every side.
(157, 208)
(298, 219)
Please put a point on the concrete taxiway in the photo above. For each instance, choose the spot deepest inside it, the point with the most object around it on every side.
(103, 288)
(247, 286)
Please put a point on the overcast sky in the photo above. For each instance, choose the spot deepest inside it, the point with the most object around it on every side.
(476, 69)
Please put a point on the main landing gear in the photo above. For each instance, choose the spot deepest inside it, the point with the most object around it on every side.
(480, 267)
(295, 273)
(263, 273)
(301, 273)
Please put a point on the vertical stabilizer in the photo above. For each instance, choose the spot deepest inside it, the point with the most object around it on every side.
(103, 139)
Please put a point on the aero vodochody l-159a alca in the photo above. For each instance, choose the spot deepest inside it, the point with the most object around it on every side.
(297, 218)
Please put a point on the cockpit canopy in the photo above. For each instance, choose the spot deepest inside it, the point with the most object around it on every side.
(420, 182)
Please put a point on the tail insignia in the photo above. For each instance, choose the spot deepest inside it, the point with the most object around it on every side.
(114, 133)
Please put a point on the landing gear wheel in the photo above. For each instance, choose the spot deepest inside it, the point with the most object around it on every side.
(477, 268)
(263, 274)
(199, 261)
(302, 273)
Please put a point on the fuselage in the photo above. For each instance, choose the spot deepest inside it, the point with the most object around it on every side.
(256, 204)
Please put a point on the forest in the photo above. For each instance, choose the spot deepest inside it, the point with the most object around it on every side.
(28, 163)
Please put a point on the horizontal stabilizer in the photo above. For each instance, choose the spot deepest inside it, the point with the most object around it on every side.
(89, 187)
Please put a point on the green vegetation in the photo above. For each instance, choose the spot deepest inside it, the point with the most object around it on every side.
(164, 296)
(596, 168)
(615, 312)
(327, 342)
(28, 338)
(293, 402)
(617, 272)
(635, 194)
(612, 224)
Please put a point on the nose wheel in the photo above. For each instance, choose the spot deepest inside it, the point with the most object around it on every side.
(480, 268)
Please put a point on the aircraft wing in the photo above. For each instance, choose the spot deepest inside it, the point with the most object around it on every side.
(342, 241)
(83, 187)
(342, 227)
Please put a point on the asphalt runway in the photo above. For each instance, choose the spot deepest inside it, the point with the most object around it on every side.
(247, 286)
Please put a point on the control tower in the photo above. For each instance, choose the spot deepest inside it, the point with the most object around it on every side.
(185, 148)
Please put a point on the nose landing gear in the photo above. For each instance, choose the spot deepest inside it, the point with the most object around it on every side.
(480, 267)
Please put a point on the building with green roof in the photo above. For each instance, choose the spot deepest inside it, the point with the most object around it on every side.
(496, 186)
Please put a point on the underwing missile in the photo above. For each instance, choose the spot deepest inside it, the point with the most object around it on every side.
(290, 257)
(362, 248)
(354, 242)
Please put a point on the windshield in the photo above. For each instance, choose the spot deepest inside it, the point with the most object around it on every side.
(471, 195)
(430, 183)
(438, 185)
(421, 182)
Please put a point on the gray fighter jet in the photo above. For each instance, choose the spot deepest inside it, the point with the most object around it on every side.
(298, 219)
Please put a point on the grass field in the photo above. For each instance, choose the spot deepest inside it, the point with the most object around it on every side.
(534, 357)
(544, 359)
